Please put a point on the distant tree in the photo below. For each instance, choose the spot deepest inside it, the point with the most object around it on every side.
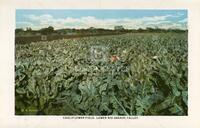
(140, 30)
(29, 29)
(18, 30)
(47, 31)
(149, 29)
(50, 29)
(120, 27)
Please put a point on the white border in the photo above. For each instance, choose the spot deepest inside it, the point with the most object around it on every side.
(7, 25)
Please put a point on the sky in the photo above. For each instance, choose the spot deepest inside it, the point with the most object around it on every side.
(73, 18)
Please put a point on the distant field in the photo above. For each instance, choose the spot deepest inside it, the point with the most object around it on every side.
(36, 38)
(129, 74)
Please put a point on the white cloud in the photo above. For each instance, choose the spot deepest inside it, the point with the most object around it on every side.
(183, 21)
(37, 22)
(39, 18)
(173, 25)
(24, 24)
(156, 18)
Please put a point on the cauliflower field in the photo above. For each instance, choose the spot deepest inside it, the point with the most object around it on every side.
(129, 74)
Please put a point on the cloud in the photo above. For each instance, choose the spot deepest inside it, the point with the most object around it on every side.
(24, 24)
(41, 17)
(37, 22)
(156, 18)
(183, 21)
(173, 25)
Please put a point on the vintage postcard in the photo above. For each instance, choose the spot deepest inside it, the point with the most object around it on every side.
(99, 64)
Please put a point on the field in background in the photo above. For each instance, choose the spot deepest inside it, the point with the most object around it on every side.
(130, 74)
(37, 38)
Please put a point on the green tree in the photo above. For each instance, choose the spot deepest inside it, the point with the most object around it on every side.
(47, 31)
